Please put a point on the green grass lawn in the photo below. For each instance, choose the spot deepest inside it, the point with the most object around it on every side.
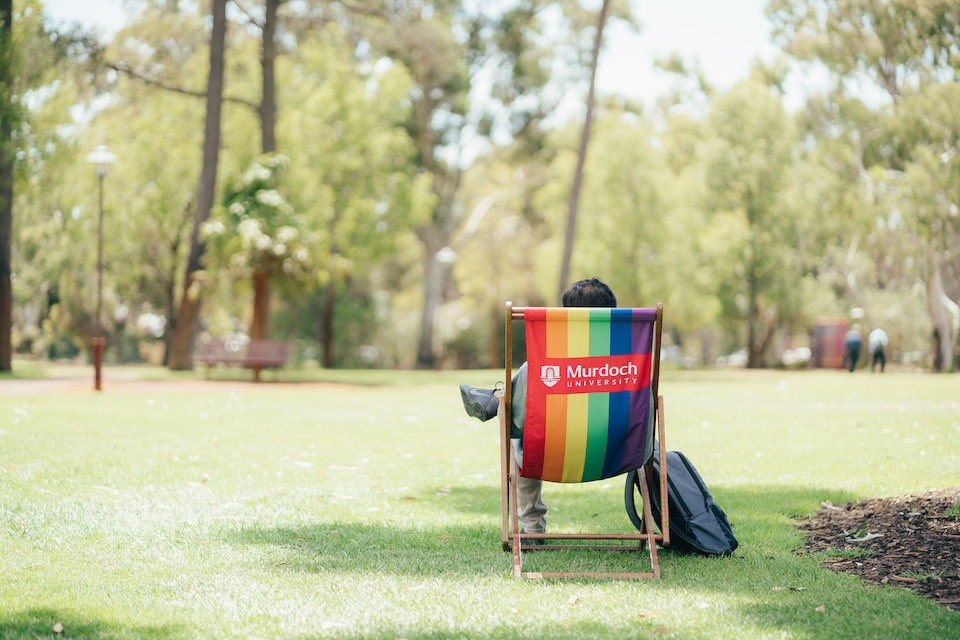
(370, 509)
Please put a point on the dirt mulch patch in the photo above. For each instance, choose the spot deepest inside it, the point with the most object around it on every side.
(909, 541)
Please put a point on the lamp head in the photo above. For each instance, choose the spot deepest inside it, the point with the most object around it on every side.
(101, 158)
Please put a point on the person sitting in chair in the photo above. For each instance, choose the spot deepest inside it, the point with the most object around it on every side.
(480, 402)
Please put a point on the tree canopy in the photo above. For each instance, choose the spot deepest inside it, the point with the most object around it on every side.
(418, 174)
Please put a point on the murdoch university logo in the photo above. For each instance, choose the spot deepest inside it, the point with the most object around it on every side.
(550, 374)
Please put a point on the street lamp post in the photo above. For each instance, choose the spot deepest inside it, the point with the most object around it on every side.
(101, 158)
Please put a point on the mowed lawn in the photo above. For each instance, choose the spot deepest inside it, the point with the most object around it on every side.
(369, 508)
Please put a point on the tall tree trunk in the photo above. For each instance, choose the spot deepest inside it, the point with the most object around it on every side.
(326, 339)
(937, 310)
(260, 324)
(268, 99)
(496, 353)
(188, 313)
(435, 278)
(6, 184)
(171, 319)
(573, 204)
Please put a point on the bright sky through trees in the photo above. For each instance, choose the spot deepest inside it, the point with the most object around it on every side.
(723, 36)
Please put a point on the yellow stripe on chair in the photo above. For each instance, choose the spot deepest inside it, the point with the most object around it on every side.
(578, 333)
(578, 411)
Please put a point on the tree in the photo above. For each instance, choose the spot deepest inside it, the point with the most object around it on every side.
(933, 191)
(509, 46)
(353, 177)
(154, 223)
(31, 57)
(189, 309)
(267, 111)
(751, 239)
(902, 47)
(7, 115)
(258, 234)
(574, 200)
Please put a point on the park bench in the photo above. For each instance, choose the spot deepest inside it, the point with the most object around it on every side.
(253, 354)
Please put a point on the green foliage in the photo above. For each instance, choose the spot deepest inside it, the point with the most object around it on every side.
(931, 120)
(953, 512)
(351, 174)
(752, 238)
(256, 230)
(898, 42)
(747, 222)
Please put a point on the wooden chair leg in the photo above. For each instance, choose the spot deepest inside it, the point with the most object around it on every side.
(515, 513)
(664, 502)
(648, 523)
(504, 479)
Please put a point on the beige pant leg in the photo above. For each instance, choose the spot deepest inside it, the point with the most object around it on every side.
(530, 505)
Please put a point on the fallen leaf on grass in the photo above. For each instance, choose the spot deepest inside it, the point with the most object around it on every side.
(662, 630)
(828, 505)
(865, 537)
(821, 608)
(647, 616)
(904, 579)
(776, 589)
(58, 628)
(797, 588)
(573, 599)
(451, 537)
(408, 498)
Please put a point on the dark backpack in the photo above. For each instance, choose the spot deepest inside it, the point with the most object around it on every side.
(697, 524)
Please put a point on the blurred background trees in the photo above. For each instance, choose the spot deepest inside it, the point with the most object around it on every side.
(429, 155)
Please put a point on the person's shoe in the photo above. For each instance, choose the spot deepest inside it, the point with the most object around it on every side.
(479, 403)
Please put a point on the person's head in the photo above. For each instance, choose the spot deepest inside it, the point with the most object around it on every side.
(588, 293)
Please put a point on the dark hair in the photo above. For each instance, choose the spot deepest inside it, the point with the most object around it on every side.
(588, 293)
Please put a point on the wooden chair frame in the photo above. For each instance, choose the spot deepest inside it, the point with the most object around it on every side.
(512, 539)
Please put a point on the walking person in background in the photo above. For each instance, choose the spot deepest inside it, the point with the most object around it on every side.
(876, 342)
(852, 343)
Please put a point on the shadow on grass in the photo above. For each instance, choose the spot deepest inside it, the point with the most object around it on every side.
(546, 631)
(589, 507)
(356, 547)
(762, 520)
(772, 587)
(39, 623)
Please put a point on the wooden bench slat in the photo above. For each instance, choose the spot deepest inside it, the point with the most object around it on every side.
(262, 354)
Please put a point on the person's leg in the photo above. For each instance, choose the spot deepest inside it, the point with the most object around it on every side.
(873, 363)
(530, 505)
(883, 360)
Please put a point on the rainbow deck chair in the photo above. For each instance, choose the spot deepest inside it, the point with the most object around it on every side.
(592, 404)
